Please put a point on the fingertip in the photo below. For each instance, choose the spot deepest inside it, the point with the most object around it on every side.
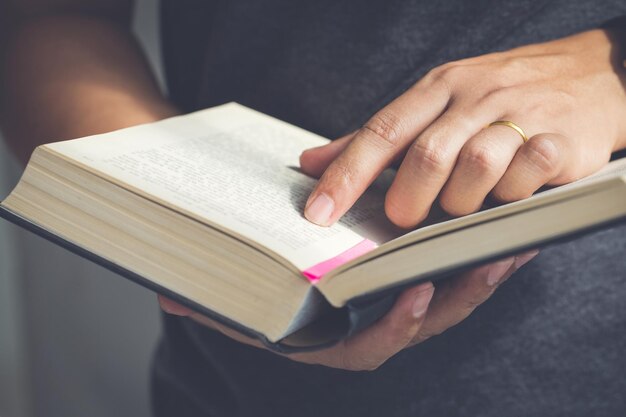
(423, 287)
(524, 258)
(314, 161)
(421, 300)
(319, 209)
(497, 271)
(413, 302)
(310, 163)
(172, 307)
(396, 211)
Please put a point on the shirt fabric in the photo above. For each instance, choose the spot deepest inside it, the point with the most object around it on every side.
(551, 341)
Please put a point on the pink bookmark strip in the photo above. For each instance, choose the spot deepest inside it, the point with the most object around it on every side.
(316, 272)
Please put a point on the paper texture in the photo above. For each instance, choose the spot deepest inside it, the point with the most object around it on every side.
(233, 167)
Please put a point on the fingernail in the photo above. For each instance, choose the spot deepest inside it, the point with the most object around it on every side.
(422, 300)
(320, 210)
(523, 259)
(498, 270)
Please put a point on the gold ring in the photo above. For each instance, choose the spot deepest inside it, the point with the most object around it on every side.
(512, 126)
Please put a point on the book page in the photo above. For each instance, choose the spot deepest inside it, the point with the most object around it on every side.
(439, 224)
(237, 169)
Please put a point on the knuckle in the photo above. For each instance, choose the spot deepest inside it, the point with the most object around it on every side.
(506, 73)
(543, 155)
(496, 95)
(436, 74)
(498, 84)
(387, 127)
(429, 155)
(343, 173)
(450, 71)
(445, 75)
(507, 69)
(479, 158)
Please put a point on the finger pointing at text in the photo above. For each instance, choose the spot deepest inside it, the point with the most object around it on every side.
(559, 108)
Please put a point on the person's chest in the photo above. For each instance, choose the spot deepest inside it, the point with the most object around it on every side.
(328, 65)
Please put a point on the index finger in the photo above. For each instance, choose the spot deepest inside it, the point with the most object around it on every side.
(373, 148)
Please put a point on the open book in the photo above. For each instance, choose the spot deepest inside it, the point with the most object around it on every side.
(207, 209)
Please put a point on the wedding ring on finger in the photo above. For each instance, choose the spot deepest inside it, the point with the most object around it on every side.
(513, 126)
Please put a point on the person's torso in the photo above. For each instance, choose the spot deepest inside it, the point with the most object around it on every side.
(327, 66)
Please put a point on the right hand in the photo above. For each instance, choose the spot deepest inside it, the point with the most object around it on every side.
(419, 313)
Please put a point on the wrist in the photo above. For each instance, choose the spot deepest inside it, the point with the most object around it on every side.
(116, 116)
(70, 123)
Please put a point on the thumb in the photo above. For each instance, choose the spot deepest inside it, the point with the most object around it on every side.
(314, 161)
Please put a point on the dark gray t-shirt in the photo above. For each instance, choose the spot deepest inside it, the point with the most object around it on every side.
(550, 342)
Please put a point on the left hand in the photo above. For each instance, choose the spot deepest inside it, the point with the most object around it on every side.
(567, 95)
(418, 314)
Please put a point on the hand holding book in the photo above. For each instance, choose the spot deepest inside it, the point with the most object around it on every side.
(437, 129)
(207, 209)
(418, 314)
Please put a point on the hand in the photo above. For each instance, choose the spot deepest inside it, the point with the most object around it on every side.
(418, 314)
(567, 95)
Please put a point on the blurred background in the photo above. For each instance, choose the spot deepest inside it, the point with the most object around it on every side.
(75, 339)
